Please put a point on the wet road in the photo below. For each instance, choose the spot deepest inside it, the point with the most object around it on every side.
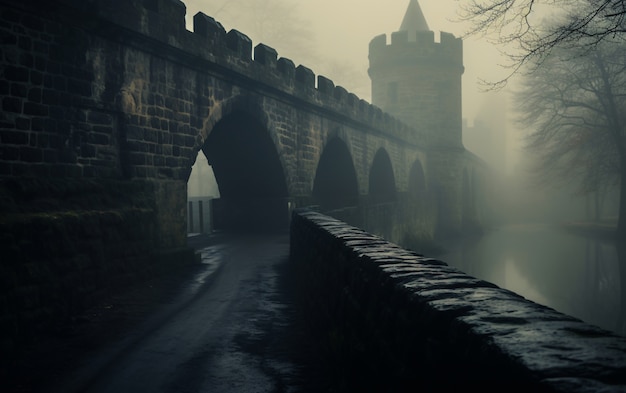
(232, 327)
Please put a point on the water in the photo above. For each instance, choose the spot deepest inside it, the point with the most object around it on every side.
(575, 275)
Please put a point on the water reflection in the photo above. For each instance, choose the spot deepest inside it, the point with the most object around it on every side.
(575, 275)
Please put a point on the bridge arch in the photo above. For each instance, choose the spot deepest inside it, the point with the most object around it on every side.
(382, 183)
(248, 169)
(417, 182)
(249, 105)
(335, 184)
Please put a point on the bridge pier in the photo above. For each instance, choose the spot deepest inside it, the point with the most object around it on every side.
(170, 201)
(69, 243)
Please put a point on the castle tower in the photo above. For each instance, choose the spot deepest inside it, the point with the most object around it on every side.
(418, 80)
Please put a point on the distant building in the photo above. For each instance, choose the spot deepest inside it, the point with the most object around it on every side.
(418, 79)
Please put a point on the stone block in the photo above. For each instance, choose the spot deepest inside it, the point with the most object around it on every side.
(208, 28)
(265, 55)
(240, 44)
(305, 77)
(287, 67)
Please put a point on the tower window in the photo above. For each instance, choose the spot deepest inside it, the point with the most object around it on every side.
(392, 92)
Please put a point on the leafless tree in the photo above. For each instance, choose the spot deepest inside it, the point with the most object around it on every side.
(575, 101)
(520, 30)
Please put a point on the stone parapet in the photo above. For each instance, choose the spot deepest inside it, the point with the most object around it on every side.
(402, 321)
(419, 49)
(163, 21)
(113, 89)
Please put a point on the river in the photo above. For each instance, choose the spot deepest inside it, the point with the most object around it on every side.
(575, 275)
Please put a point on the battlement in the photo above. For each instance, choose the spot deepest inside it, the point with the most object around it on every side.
(159, 26)
(422, 46)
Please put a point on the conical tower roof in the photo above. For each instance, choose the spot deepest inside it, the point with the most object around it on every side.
(414, 19)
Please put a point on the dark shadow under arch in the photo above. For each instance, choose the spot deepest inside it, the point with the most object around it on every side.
(417, 188)
(335, 183)
(249, 174)
(382, 183)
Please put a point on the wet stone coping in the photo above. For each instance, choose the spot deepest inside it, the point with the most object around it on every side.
(421, 322)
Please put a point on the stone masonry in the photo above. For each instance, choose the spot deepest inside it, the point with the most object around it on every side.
(404, 322)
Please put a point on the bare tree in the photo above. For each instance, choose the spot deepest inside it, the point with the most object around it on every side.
(575, 101)
(519, 28)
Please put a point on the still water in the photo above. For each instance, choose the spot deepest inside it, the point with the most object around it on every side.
(575, 275)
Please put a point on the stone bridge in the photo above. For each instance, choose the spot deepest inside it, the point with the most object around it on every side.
(105, 105)
(101, 89)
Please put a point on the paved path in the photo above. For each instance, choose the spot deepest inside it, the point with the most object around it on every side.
(231, 326)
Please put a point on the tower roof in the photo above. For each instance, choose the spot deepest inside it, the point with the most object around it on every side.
(414, 19)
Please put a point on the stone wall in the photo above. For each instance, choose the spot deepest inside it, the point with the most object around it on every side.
(104, 88)
(109, 89)
(67, 245)
(399, 321)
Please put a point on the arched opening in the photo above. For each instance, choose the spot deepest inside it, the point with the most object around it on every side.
(417, 182)
(382, 183)
(202, 189)
(417, 188)
(249, 174)
(335, 183)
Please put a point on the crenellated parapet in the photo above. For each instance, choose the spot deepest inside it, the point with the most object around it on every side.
(159, 26)
(419, 50)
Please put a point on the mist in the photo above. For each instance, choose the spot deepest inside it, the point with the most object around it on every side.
(332, 39)
(357, 205)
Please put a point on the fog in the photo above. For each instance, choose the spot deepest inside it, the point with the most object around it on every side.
(336, 35)
(332, 39)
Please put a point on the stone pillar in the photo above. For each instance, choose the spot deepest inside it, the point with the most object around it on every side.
(170, 197)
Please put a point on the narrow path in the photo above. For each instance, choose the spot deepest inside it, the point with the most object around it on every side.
(231, 326)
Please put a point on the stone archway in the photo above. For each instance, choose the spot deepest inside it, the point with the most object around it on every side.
(249, 174)
(335, 185)
(382, 184)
